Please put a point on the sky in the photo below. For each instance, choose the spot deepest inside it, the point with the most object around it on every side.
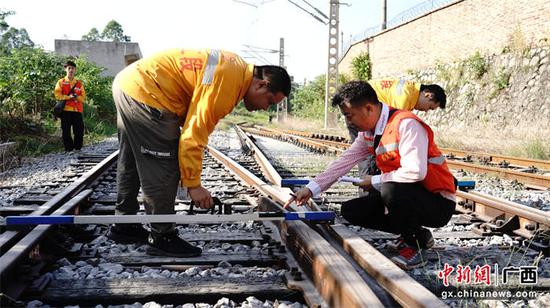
(224, 24)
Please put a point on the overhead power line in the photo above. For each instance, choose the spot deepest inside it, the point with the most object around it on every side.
(261, 49)
(316, 9)
(320, 19)
(253, 3)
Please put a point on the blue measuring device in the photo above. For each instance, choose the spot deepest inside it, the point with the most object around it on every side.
(462, 185)
(317, 217)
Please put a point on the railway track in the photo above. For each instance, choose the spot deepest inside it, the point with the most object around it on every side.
(483, 225)
(247, 261)
(535, 174)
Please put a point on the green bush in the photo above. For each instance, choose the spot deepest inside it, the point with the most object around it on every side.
(477, 65)
(501, 79)
(361, 66)
(308, 101)
(27, 80)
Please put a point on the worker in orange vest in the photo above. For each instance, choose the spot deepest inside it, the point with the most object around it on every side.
(71, 90)
(400, 94)
(414, 191)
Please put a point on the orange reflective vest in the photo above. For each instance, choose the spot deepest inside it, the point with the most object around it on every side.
(438, 177)
(72, 104)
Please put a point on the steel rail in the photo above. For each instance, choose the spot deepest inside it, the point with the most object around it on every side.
(405, 290)
(496, 158)
(493, 158)
(335, 279)
(490, 208)
(11, 257)
(9, 238)
(310, 143)
(537, 181)
(268, 169)
(534, 181)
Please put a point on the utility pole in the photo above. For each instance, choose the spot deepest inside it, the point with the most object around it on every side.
(282, 64)
(255, 52)
(332, 70)
(384, 14)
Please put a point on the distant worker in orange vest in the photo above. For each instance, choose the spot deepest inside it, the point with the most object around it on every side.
(401, 94)
(167, 106)
(72, 92)
(414, 191)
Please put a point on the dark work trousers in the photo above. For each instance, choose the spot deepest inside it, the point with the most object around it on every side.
(72, 119)
(410, 207)
(147, 158)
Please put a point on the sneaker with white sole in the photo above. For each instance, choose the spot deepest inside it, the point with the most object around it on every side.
(397, 244)
(423, 238)
(410, 257)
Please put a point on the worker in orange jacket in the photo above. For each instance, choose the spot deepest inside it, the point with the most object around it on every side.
(155, 97)
(71, 90)
(400, 94)
(415, 189)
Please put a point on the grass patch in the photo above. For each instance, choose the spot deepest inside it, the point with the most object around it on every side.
(240, 114)
(501, 79)
(534, 148)
(37, 136)
(477, 65)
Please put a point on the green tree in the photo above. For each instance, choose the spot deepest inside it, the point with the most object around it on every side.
(99, 97)
(93, 35)
(27, 78)
(361, 66)
(113, 32)
(3, 24)
(10, 37)
(309, 100)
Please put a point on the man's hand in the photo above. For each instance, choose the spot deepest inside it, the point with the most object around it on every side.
(73, 95)
(201, 196)
(301, 197)
(366, 184)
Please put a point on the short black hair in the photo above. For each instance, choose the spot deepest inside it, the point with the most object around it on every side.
(278, 78)
(356, 93)
(439, 95)
(69, 63)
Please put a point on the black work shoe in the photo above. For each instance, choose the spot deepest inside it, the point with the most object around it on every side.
(170, 244)
(128, 233)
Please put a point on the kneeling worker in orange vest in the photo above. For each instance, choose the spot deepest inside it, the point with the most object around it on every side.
(400, 94)
(416, 188)
(154, 97)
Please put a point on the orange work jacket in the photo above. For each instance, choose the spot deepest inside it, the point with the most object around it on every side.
(71, 104)
(438, 177)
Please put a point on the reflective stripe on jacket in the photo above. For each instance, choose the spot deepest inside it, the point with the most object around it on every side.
(199, 86)
(438, 177)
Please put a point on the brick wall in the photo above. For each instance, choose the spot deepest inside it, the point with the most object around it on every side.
(454, 32)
